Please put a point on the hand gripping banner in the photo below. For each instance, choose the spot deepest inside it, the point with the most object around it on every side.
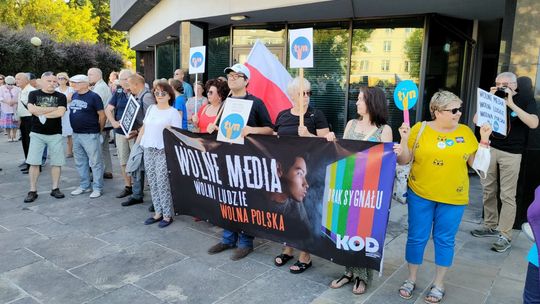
(331, 199)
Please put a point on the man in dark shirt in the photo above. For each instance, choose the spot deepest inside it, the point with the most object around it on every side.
(506, 155)
(47, 107)
(87, 121)
(258, 123)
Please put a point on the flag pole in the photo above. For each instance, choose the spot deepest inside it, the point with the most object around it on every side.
(301, 97)
(195, 90)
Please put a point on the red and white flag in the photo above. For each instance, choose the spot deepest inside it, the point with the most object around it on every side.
(269, 79)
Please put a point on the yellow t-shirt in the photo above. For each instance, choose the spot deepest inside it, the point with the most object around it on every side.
(439, 171)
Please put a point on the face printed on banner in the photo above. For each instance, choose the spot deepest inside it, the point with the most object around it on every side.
(361, 107)
(296, 179)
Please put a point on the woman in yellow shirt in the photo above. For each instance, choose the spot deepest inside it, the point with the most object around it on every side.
(438, 187)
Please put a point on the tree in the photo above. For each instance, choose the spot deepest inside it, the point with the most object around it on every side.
(413, 51)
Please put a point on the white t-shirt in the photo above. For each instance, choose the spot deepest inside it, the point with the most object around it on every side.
(154, 122)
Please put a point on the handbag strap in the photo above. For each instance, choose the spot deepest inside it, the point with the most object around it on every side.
(422, 127)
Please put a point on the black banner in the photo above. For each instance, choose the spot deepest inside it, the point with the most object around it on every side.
(331, 199)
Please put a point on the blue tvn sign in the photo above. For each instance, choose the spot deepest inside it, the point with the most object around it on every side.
(197, 59)
(231, 126)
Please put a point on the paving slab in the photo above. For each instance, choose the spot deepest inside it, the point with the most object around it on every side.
(127, 294)
(127, 266)
(12, 259)
(50, 284)
(9, 292)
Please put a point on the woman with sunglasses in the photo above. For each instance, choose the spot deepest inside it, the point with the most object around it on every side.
(438, 187)
(288, 124)
(217, 91)
(371, 125)
(67, 132)
(158, 117)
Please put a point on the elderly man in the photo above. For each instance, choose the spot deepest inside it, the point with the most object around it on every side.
(188, 90)
(87, 121)
(95, 76)
(258, 123)
(146, 99)
(506, 155)
(47, 107)
(114, 111)
(22, 80)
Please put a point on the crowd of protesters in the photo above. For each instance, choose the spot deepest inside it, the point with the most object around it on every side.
(61, 117)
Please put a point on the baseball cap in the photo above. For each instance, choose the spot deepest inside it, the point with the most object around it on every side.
(10, 80)
(79, 78)
(238, 68)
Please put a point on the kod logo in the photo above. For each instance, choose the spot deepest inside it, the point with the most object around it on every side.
(300, 48)
(232, 126)
(197, 59)
(356, 243)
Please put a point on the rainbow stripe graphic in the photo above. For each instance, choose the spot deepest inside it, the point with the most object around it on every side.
(353, 185)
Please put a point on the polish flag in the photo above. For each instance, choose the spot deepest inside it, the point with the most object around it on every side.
(269, 80)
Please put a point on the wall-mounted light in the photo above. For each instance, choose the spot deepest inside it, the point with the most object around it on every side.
(149, 46)
(171, 37)
(238, 17)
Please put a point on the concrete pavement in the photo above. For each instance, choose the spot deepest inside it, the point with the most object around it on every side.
(82, 250)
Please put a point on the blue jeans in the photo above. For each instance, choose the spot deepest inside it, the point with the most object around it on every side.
(138, 185)
(426, 216)
(231, 237)
(87, 154)
(531, 293)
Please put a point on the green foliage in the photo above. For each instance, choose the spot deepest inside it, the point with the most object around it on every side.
(17, 54)
(413, 51)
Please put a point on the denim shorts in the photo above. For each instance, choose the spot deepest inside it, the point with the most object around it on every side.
(55, 147)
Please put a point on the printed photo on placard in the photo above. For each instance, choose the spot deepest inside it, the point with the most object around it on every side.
(233, 120)
(130, 113)
(197, 58)
(301, 48)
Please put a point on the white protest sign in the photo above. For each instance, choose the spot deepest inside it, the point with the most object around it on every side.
(233, 120)
(130, 114)
(197, 57)
(301, 48)
(491, 109)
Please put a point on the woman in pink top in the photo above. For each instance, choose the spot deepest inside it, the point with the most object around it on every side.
(9, 94)
(217, 92)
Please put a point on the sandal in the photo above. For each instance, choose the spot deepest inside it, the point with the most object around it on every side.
(357, 282)
(408, 287)
(344, 280)
(284, 259)
(436, 294)
(301, 267)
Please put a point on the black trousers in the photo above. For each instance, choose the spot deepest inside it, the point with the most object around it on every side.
(26, 124)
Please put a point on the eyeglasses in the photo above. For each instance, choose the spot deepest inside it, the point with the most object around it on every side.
(454, 110)
(235, 76)
(503, 84)
(160, 93)
(62, 78)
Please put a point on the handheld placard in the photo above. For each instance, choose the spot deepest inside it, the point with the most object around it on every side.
(405, 97)
(301, 49)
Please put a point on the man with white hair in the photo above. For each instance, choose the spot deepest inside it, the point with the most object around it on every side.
(95, 76)
(87, 121)
(22, 80)
(506, 154)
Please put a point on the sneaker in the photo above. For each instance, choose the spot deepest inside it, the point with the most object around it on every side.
(95, 194)
(219, 247)
(241, 253)
(132, 201)
(485, 232)
(32, 196)
(501, 245)
(126, 192)
(80, 191)
(57, 194)
(526, 228)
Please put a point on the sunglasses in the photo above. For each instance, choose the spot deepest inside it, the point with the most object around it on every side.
(62, 78)
(454, 110)
(307, 93)
(160, 93)
(210, 93)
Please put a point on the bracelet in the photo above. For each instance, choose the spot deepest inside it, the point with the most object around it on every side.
(484, 143)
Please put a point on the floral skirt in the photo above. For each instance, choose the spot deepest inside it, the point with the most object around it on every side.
(8, 121)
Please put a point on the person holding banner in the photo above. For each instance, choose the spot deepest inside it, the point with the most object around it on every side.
(436, 205)
(193, 104)
(370, 126)
(217, 91)
(288, 123)
(258, 123)
(505, 163)
(150, 137)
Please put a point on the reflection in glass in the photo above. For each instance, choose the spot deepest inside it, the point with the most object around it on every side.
(168, 59)
(218, 52)
(269, 36)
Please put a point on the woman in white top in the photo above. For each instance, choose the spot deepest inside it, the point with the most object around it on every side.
(64, 88)
(157, 118)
